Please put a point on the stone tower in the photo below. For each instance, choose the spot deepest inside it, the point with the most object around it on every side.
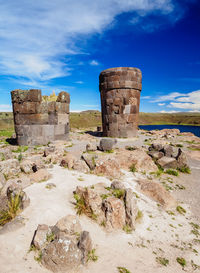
(120, 89)
(38, 122)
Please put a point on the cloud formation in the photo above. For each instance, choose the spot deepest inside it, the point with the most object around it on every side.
(188, 101)
(37, 36)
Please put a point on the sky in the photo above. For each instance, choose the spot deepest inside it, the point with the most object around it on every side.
(63, 45)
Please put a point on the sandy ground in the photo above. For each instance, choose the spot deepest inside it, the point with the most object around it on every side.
(158, 234)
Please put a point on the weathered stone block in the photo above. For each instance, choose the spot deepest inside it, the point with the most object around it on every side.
(24, 107)
(63, 97)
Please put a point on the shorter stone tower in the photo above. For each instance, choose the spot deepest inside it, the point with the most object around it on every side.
(38, 122)
(120, 99)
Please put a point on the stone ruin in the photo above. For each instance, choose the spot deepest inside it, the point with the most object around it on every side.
(38, 122)
(120, 99)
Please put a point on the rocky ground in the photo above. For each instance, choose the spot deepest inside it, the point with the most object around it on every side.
(148, 221)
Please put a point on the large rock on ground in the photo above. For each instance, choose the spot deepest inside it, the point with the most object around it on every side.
(40, 176)
(131, 208)
(15, 191)
(107, 144)
(62, 255)
(10, 167)
(181, 159)
(90, 160)
(139, 158)
(63, 247)
(68, 161)
(158, 193)
(40, 236)
(114, 213)
(81, 166)
(167, 162)
(108, 167)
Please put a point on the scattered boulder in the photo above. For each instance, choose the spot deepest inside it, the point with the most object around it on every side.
(158, 193)
(91, 147)
(155, 154)
(107, 144)
(167, 162)
(90, 160)
(108, 167)
(167, 150)
(114, 213)
(10, 167)
(27, 166)
(68, 161)
(112, 207)
(81, 166)
(40, 236)
(40, 176)
(63, 247)
(130, 208)
(181, 159)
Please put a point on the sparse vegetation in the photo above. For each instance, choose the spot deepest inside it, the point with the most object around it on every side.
(38, 258)
(139, 215)
(181, 261)
(92, 255)
(181, 210)
(12, 211)
(127, 229)
(184, 170)
(172, 172)
(162, 261)
(50, 237)
(132, 168)
(123, 270)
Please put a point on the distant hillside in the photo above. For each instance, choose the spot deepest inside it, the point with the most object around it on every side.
(92, 118)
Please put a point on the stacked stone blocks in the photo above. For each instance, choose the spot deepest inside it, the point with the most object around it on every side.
(120, 99)
(39, 122)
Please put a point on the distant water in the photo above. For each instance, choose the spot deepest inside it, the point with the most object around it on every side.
(183, 128)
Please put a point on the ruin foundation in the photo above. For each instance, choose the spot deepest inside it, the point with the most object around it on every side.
(120, 99)
(38, 122)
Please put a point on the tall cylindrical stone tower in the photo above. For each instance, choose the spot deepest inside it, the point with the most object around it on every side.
(120, 89)
(39, 122)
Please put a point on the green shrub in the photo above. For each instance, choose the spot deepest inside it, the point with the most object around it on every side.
(12, 211)
(181, 261)
(132, 168)
(184, 170)
(181, 210)
(162, 261)
(172, 172)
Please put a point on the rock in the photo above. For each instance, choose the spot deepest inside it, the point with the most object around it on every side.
(85, 245)
(40, 236)
(69, 225)
(81, 166)
(17, 223)
(15, 190)
(167, 162)
(49, 150)
(10, 167)
(131, 208)
(108, 167)
(5, 154)
(156, 146)
(139, 158)
(167, 150)
(93, 202)
(62, 255)
(117, 185)
(90, 160)
(181, 159)
(68, 161)
(107, 144)
(91, 147)
(186, 134)
(40, 176)
(2, 180)
(171, 131)
(156, 154)
(158, 193)
(114, 213)
(50, 186)
(27, 166)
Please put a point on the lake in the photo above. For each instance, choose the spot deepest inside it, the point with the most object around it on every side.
(183, 128)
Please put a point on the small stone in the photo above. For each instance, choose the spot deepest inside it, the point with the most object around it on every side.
(107, 144)
(167, 162)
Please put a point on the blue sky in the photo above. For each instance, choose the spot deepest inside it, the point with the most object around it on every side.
(65, 44)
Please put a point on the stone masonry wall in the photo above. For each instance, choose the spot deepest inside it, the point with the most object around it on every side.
(120, 99)
(37, 122)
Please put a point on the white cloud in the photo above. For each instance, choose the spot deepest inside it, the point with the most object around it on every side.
(170, 112)
(79, 82)
(36, 36)
(145, 97)
(187, 101)
(161, 104)
(94, 63)
(5, 108)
